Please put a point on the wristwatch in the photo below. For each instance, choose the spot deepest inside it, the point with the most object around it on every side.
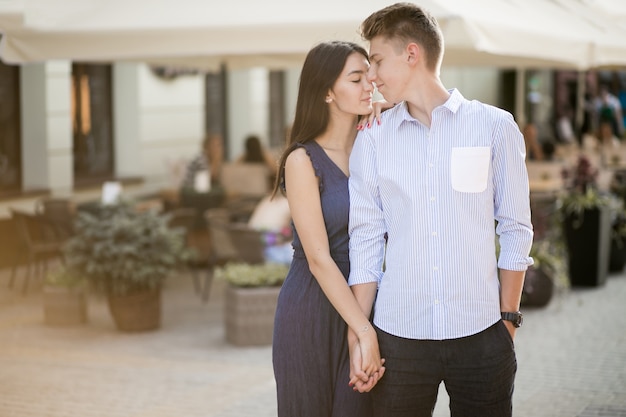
(516, 318)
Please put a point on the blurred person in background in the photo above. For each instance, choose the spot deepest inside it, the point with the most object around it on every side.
(256, 153)
(609, 109)
(534, 150)
(207, 162)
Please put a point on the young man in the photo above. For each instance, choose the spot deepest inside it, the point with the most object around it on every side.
(430, 187)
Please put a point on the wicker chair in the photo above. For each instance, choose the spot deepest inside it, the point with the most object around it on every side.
(248, 242)
(59, 211)
(231, 242)
(39, 240)
(185, 218)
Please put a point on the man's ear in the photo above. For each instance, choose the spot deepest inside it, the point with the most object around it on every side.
(413, 53)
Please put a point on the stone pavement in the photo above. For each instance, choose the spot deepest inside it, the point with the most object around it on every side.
(571, 355)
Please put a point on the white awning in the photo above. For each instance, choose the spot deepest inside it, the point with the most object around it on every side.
(278, 33)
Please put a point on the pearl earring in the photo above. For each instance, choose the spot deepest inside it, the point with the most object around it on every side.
(329, 100)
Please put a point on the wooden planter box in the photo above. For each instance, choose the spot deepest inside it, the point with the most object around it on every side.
(249, 315)
(64, 306)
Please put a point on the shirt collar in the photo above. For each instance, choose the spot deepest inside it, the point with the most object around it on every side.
(453, 103)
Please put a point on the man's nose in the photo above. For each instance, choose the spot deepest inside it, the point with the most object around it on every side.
(370, 75)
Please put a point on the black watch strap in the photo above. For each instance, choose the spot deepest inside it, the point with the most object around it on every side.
(514, 317)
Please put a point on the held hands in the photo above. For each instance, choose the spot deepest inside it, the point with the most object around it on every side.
(366, 365)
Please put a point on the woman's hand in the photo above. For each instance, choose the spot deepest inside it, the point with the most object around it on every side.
(368, 120)
(366, 366)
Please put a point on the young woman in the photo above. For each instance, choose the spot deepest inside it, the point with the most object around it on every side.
(316, 306)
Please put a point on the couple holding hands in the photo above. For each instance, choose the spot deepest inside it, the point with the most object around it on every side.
(394, 285)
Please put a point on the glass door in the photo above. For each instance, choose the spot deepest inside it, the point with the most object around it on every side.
(92, 123)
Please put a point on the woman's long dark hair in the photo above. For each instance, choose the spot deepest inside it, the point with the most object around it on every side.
(322, 66)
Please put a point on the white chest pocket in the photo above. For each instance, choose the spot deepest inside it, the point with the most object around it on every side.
(469, 169)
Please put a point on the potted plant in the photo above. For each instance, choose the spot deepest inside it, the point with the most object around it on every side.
(586, 219)
(250, 303)
(617, 185)
(548, 273)
(64, 297)
(617, 259)
(618, 241)
(127, 254)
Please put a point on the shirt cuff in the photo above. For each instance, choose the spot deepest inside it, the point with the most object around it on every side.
(512, 262)
(363, 277)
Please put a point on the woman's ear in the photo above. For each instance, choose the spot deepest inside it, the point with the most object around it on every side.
(329, 97)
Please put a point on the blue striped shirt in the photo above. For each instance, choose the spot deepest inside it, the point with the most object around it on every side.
(437, 193)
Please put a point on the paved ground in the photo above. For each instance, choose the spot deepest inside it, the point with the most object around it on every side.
(572, 360)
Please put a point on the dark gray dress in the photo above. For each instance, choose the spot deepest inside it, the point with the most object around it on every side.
(310, 352)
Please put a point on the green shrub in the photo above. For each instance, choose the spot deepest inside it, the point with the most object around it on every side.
(123, 251)
(252, 275)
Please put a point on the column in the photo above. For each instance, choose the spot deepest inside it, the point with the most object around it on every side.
(47, 159)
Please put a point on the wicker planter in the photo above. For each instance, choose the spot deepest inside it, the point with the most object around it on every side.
(136, 312)
(64, 306)
(249, 315)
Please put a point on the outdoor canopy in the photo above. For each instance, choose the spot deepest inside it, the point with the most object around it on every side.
(576, 34)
